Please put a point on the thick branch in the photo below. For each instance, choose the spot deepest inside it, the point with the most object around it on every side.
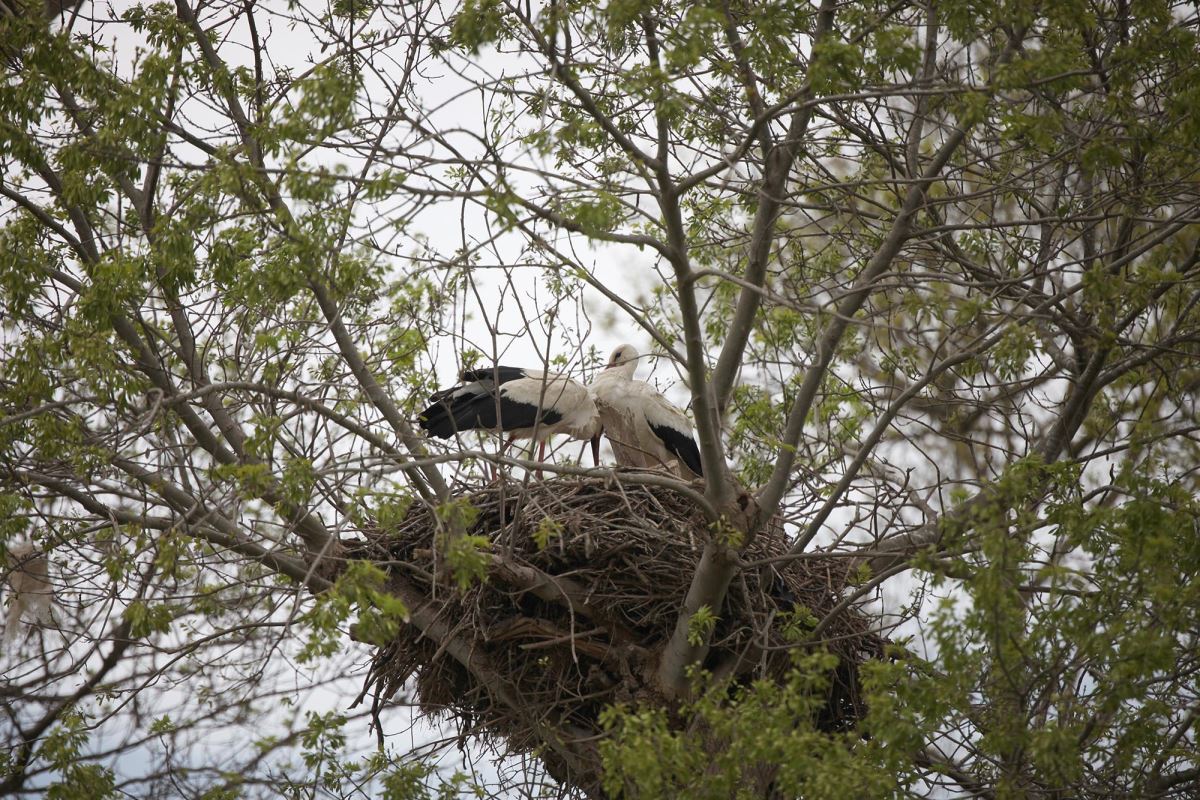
(718, 564)
(201, 522)
(422, 480)
(777, 170)
(772, 492)
(716, 570)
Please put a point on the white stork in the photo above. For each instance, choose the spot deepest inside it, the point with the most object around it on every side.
(644, 428)
(520, 402)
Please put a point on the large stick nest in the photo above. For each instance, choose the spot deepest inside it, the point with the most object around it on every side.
(579, 624)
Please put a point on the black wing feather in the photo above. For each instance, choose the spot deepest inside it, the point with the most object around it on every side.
(455, 410)
(498, 374)
(487, 378)
(682, 445)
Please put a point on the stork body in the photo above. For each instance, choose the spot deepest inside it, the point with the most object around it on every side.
(643, 427)
(520, 402)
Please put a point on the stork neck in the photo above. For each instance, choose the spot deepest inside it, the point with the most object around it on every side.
(625, 370)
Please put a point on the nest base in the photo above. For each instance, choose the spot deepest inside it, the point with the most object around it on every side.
(584, 587)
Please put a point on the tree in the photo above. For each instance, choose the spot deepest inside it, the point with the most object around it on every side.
(928, 271)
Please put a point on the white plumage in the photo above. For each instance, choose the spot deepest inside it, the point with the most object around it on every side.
(643, 427)
(30, 594)
(517, 401)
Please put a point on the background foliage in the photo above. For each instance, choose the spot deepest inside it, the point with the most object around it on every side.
(927, 273)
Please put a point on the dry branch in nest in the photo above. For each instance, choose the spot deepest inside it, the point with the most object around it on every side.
(562, 631)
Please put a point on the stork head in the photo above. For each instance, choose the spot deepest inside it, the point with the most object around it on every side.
(624, 359)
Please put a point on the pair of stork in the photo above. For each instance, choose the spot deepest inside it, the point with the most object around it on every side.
(643, 427)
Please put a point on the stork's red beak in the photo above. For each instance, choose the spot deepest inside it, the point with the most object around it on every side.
(596, 449)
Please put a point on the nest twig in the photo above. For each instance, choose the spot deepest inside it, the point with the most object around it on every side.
(578, 624)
